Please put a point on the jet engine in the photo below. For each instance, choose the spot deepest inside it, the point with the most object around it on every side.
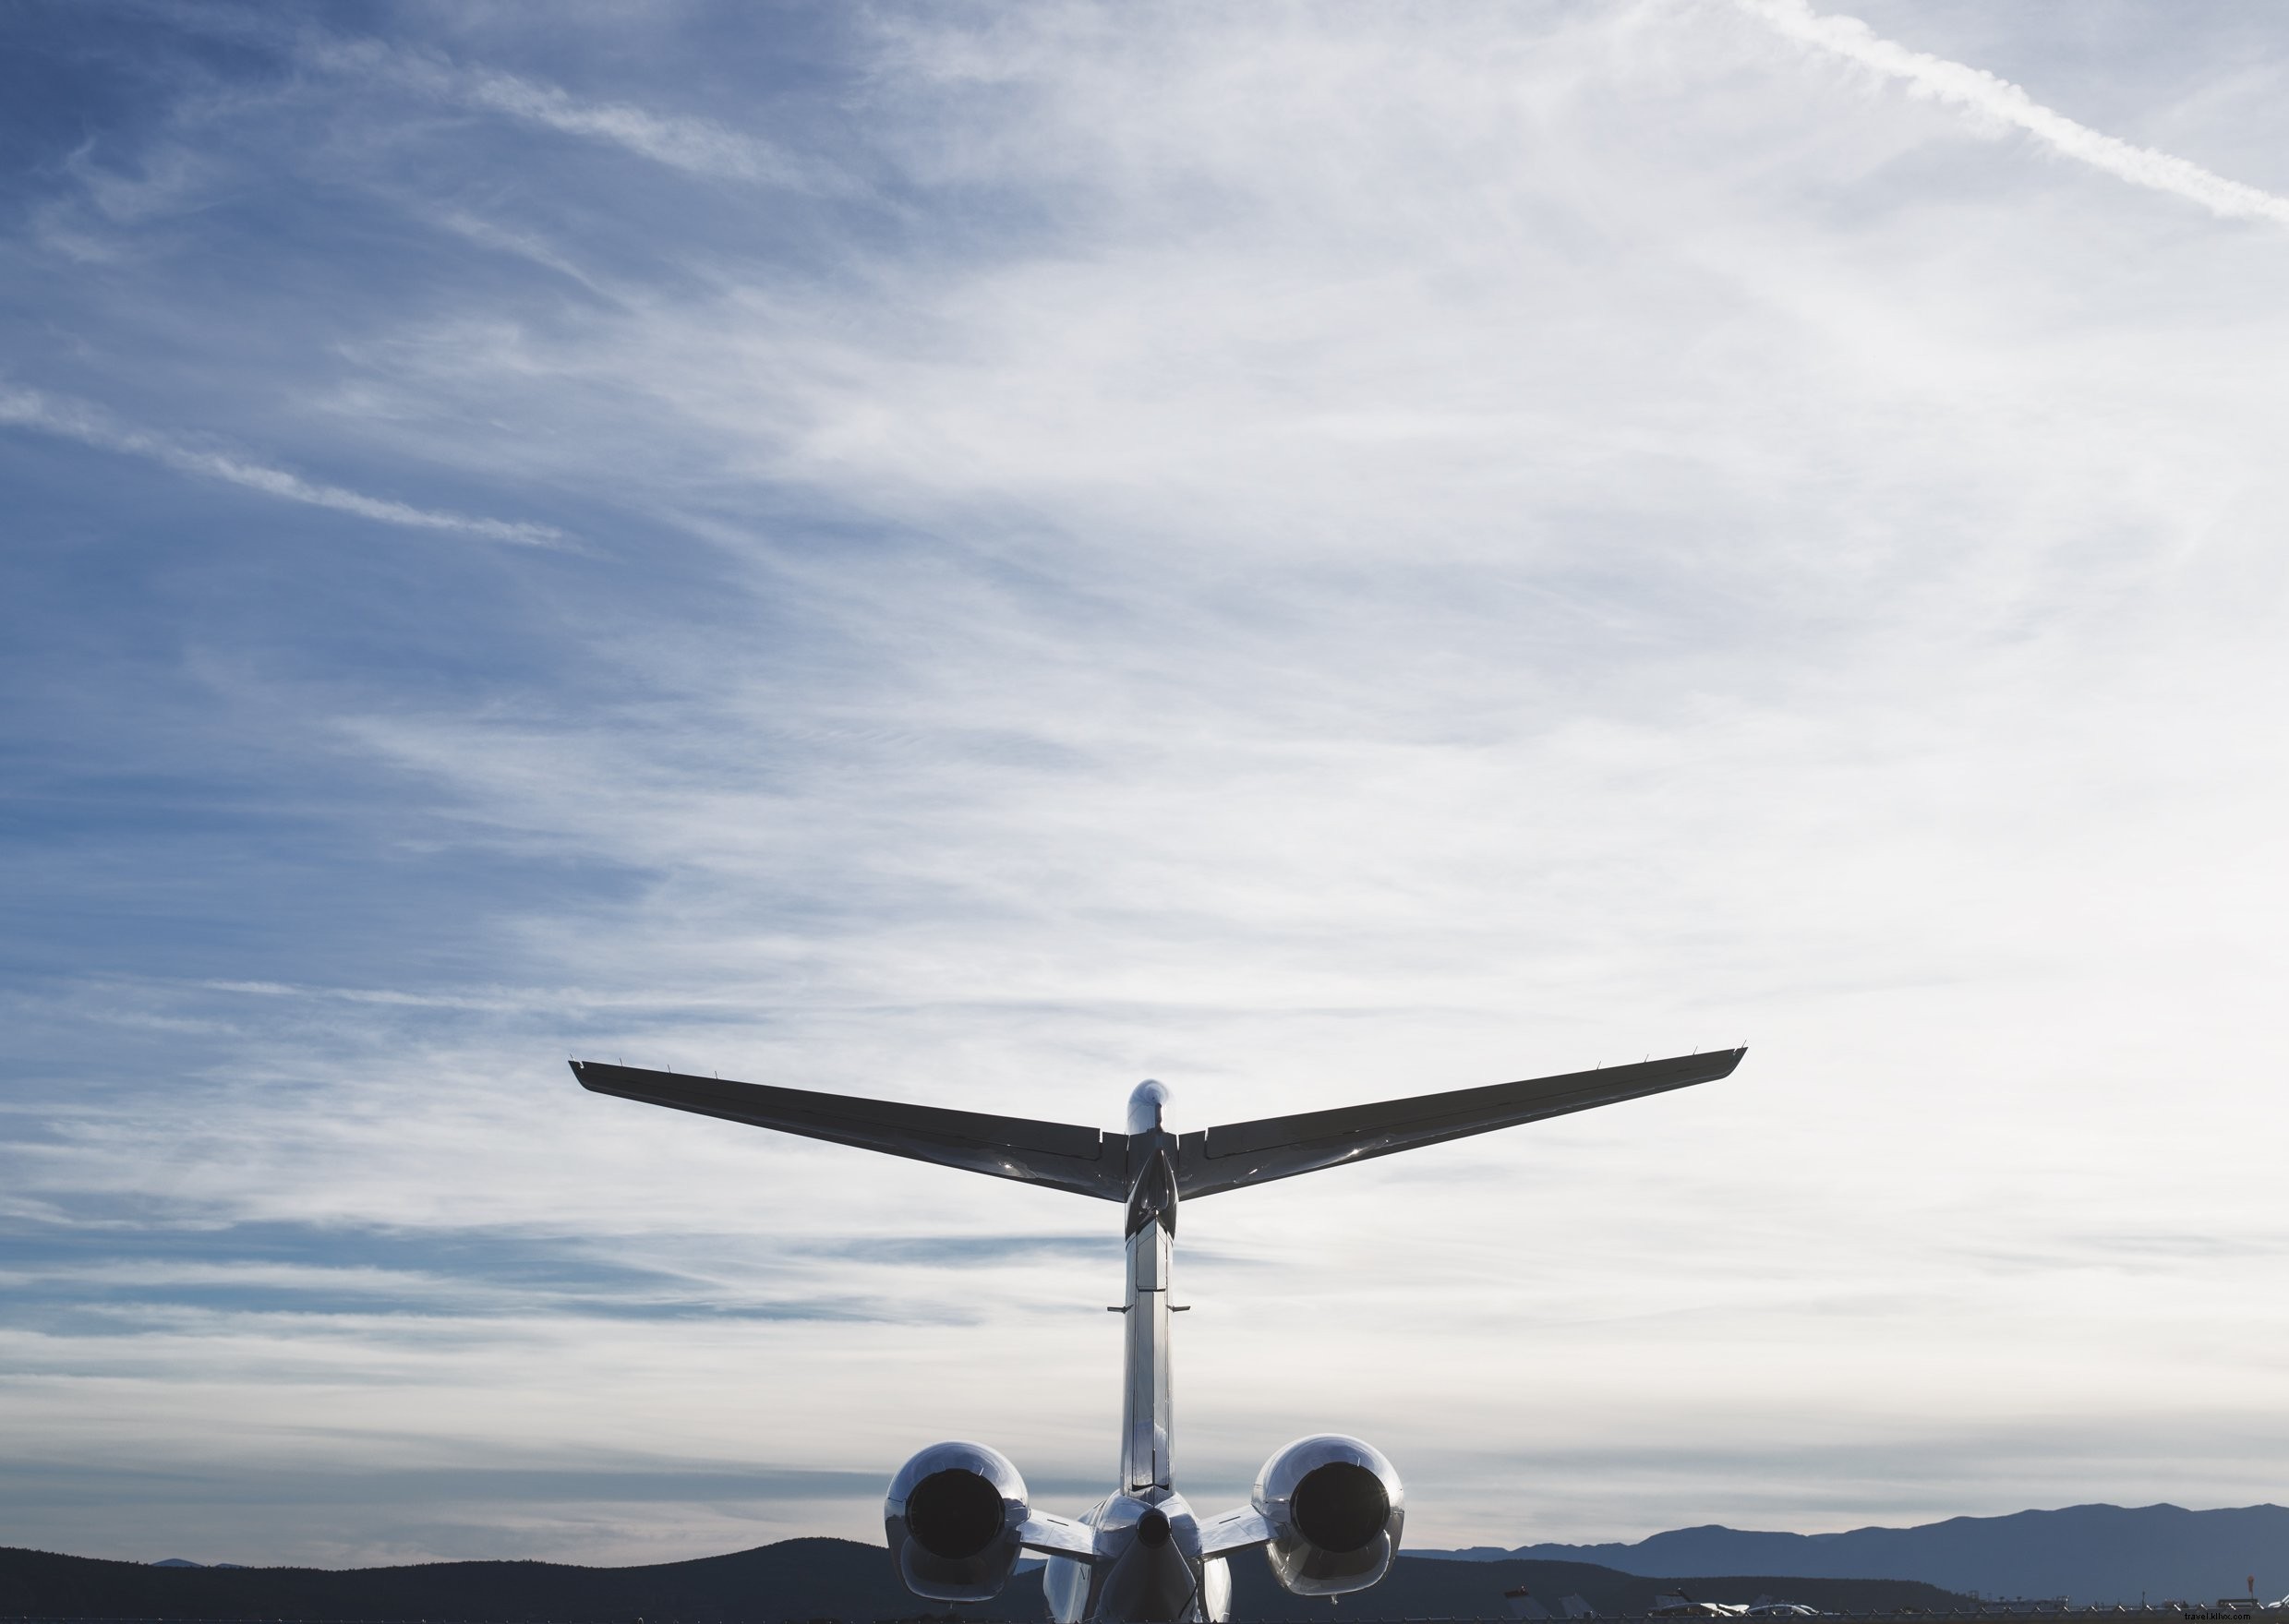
(952, 1517)
(1335, 1508)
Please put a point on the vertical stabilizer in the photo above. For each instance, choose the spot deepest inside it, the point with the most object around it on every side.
(1146, 1421)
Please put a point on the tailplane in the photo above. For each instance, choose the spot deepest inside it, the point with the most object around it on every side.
(1088, 1162)
(1243, 1153)
(1057, 1154)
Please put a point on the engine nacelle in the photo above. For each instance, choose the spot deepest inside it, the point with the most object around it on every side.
(1336, 1510)
(952, 1518)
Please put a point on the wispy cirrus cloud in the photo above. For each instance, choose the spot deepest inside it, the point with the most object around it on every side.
(92, 424)
(695, 145)
(1314, 554)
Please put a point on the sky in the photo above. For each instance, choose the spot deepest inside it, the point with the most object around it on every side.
(978, 554)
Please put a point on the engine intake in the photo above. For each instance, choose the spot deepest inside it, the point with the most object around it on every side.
(1336, 1510)
(952, 1519)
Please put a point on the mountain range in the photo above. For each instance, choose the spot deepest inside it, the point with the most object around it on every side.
(2092, 1554)
(2102, 1554)
(803, 1578)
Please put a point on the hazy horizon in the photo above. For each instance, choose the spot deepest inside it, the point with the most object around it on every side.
(980, 554)
(2035, 1554)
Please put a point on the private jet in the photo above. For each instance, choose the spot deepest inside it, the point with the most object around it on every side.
(1327, 1511)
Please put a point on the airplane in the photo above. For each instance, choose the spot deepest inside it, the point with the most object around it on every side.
(1675, 1604)
(1327, 1511)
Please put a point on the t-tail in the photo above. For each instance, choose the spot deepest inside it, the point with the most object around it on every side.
(1328, 1511)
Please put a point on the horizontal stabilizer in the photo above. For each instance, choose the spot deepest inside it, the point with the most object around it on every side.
(1088, 1162)
(1052, 1153)
(1243, 1153)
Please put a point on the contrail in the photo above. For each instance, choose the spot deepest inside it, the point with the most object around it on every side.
(91, 425)
(1983, 92)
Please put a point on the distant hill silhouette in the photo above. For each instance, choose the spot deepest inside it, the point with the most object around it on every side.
(2103, 1554)
(2094, 1554)
(1421, 1587)
(802, 1579)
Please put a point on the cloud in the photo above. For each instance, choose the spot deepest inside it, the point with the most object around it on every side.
(1959, 85)
(1314, 554)
(696, 146)
(91, 425)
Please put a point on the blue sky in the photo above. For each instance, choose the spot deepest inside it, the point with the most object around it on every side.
(980, 554)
